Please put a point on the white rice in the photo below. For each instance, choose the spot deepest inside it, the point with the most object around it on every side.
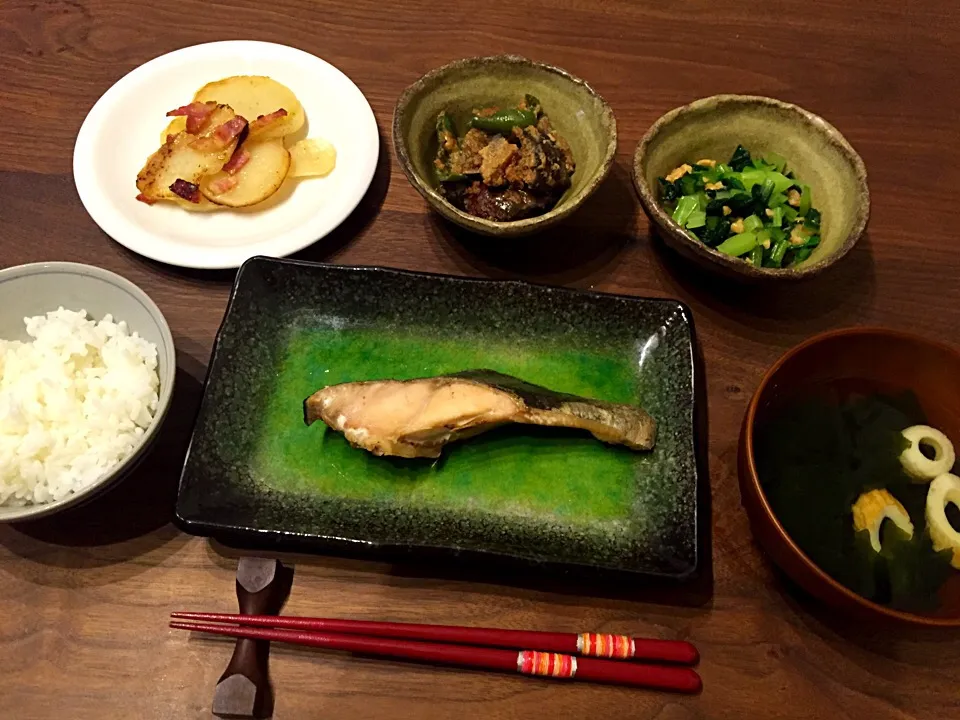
(74, 403)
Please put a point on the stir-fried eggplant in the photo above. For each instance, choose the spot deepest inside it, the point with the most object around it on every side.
(509, 165)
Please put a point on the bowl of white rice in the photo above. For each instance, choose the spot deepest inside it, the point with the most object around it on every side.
(87, 368)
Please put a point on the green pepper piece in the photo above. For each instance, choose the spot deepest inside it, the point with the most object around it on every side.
(445, 124)
(446, 133)
(447, 176)
(503, 121)
(756, 256)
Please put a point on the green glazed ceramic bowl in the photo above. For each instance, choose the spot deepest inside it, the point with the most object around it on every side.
(576, 111)
(814, 149)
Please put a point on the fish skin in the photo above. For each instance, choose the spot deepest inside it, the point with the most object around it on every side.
(487, 399)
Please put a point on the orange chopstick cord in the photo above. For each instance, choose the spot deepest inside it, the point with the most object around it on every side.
(533, 662)
(602, 645)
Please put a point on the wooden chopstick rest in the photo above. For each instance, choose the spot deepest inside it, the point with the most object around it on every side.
(244, 690)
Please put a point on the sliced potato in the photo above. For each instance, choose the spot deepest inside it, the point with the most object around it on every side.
(177, 125)
(258, 179)
(180, 160)
(312, 157)
(254, 95)
(203, 206)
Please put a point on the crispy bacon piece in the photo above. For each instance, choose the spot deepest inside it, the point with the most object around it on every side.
(239, 158)
(222, 185)
(196, 114)
(144, 199)
(222, 136)
(187, 190)
(230, 129)
(264, 120)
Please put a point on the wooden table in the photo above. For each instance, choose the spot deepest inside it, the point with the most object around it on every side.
(85, 596)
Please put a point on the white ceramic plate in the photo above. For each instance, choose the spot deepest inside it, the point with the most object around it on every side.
(124, 127)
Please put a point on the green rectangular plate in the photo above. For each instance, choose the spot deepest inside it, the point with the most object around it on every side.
(255, 472)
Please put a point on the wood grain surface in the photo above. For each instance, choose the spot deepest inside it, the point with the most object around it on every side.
(85, 596)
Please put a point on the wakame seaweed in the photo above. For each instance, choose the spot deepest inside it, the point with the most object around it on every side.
(816, 457)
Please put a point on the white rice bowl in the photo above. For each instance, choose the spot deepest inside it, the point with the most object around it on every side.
(74, 403)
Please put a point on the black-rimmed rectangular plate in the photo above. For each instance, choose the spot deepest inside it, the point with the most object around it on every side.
(256, 473)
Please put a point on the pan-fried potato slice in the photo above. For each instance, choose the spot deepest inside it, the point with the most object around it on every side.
(180, 160)
(203, 206)
(312, 157)
(258, 179)
(254, 95)
(177, 125)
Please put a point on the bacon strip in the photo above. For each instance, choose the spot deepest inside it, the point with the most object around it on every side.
(187, 190)
(222, 185)
(196, 114)
(222, 136)
(230, 129)
(239, 158)
(264, 120)
(144, 199)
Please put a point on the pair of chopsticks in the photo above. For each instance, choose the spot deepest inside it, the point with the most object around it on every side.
(588, 656)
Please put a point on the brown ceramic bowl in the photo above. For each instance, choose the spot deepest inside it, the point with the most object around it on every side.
(815, 150)
(576, 111)
(885, 357)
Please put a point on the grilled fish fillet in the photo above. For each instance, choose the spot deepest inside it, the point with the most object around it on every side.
(416, 418)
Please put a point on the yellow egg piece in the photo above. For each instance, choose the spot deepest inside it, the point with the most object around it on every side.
(944, 489)
(875, 506)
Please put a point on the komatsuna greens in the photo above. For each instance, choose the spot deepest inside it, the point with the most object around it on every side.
(751, 208)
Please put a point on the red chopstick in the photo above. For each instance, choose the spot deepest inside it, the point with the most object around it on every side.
(616, 647)
(527, 662)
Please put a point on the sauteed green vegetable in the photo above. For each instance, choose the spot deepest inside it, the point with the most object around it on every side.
(751, 208)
